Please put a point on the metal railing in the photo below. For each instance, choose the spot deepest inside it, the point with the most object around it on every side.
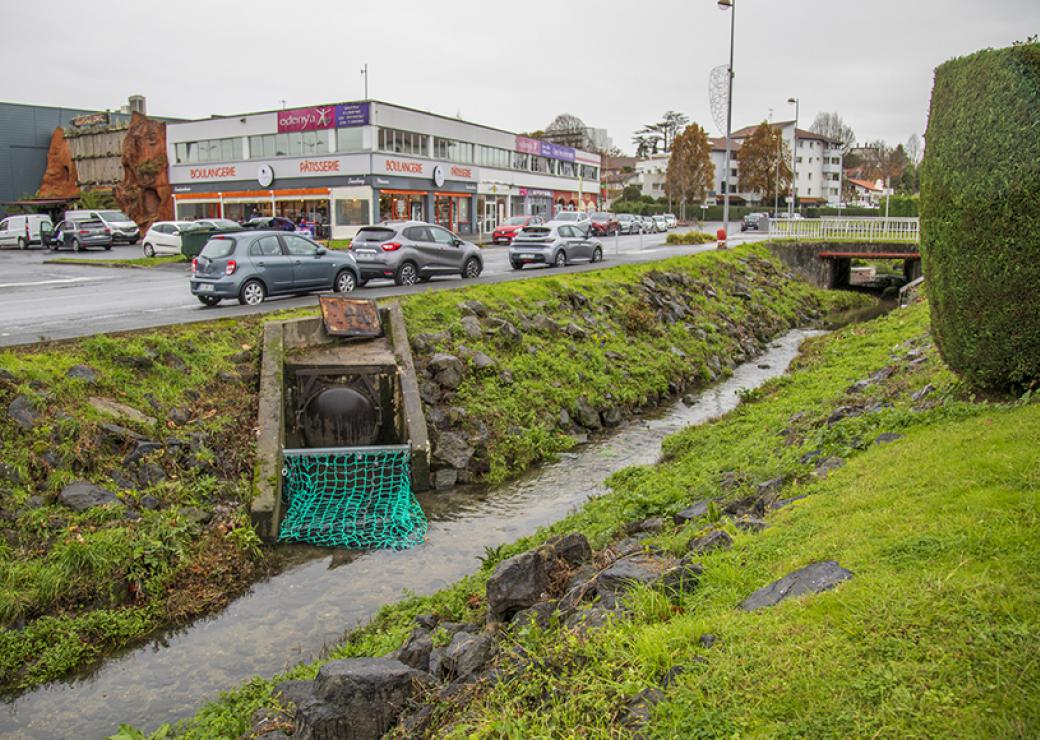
(851, 229)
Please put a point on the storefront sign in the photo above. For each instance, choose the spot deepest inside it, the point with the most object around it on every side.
(306, 119)
(90, 119)
(464, 172)
(352, 114)
(319, 165)
(265, 176)
(211, 173)
(530, 192)
(544, 149)
(409, 168)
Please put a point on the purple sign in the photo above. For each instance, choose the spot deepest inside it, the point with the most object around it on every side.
(351, 114)
(306, 119)
(544, 149)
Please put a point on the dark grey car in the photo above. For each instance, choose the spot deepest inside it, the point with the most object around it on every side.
(553, 244)
(79, 235)
(252, 265)
(413, 251)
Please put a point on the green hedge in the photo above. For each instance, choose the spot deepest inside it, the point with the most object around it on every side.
(980, 215)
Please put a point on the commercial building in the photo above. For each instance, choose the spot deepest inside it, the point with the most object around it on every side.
(350, 164)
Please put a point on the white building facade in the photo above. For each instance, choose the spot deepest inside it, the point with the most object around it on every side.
(351, 164)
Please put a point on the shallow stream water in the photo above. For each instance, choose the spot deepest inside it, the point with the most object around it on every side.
(319, 594)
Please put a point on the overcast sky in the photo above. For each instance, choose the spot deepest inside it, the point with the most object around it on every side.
(616, 65)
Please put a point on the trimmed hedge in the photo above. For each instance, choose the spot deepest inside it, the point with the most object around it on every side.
(980, 215)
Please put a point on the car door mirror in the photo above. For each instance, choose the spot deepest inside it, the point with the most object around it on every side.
(456, 242)
(320, 251)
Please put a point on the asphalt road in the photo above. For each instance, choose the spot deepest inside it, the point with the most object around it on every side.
(41, 302)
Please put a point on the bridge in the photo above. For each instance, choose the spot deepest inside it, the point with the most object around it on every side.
(822, 249)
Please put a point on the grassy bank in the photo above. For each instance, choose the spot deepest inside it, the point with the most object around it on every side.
(934, 636)
(134, 262)
(164, 421)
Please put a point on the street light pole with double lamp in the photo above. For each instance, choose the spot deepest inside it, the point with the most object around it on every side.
(796, 102)
(731, 6)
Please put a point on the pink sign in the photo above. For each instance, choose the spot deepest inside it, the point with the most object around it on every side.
(306, 119)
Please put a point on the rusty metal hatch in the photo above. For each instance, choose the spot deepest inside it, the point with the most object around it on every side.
(350, 317)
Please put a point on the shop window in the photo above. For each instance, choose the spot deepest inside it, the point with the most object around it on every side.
(349, 139)
(281, 145)
(351, 211)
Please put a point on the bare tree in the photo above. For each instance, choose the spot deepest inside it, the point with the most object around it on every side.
(834, 127)
(568, 130)
(764, 162)
(913, 149)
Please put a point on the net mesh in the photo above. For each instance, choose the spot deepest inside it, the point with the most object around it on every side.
(355, 498)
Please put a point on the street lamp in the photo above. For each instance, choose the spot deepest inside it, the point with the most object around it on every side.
(794, 157)
(730, 6)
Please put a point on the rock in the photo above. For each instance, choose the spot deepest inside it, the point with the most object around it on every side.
(82, 372)
(545, 325)
(690, 399)
(34, 502)
(23, 412)
(436, 661)
(445, 479)
(81, 495)
(443, 361)
(919, 395)
(730, 479)
(883, 374)
(481, 361)
(681, 578)
(635, 714)
(426, 621)
(708, 640)
(586, 415)
(811, 579)
(887, 437)
(180, 416)
(653, 525)
(590, 618)
(516, 584)
(565, 420)
(575, 331)
(467, 654)
(768, 487)
(293, 692)
(788, 501)
(473, 308)
(194, 514)
(148, 502)
(471, 327)
(696, 511)
(628, 572)
(509, 333)
(750, 524)
(716, 539)
(10, 474)
(625, 547)
(356, 698)
(858, 387)
(416, 650)
(844, 412)
(453, 449)
(828, 465)
(120, 411)
(573, 548)
(539, 615)
(150, 474)
(611, 417)
(808, 457)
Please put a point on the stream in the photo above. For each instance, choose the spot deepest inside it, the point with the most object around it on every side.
(320, 594)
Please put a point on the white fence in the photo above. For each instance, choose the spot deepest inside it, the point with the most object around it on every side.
(862, 229)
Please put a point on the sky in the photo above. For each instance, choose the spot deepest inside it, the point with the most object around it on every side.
(616, 65)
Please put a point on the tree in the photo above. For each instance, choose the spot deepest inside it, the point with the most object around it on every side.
(96, 199)
(670, 125)
(568, 130)
(882, 162)
(764, 158)
(834, 127)
(632, 192)
(646, 144)
(913, 149)
(690, 171)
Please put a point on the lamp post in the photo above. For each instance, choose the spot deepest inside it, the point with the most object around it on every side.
(730, 6)
(794, 158)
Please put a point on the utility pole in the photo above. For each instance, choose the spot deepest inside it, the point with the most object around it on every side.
(364, 73)
(731, 6)
(794, 158)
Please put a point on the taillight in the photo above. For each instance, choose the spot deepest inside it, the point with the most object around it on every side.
(194, 265)
(231, 267)
(108, 230)
(83, 232)
(390, 246)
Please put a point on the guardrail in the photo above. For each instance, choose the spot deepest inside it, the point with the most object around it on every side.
(852, 229)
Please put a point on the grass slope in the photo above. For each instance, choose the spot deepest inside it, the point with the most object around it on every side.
(935, 636)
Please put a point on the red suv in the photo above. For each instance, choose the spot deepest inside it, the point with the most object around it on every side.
(507, 231)
(605, 224)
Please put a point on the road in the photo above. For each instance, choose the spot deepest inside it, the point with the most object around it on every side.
(41, 302)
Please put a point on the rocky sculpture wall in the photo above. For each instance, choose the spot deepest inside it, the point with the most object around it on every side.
(145, 193)
(60, 179)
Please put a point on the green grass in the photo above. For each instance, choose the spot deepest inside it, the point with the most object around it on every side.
(935, 636)
(689, 237)
(136, 262)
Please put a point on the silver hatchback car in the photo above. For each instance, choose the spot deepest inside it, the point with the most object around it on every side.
(553, 244)
(412, 251)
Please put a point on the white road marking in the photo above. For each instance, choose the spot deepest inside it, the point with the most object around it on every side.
(53, 282)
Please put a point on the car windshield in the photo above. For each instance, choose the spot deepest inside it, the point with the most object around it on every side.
(217, 248)
(600, 216)
(113, 216)
(516, 221)
(567, 216)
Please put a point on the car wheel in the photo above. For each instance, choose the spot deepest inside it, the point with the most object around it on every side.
(252, 293)
(471, 269)
(516, 265)
(597, 255)
(208, 300)
(560, 260)
(21, 243)
(407, 274)
(76, 246)
(149, 250)
(345, 282)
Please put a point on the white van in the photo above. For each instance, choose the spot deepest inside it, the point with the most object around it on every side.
(21, 231)
(123, 229)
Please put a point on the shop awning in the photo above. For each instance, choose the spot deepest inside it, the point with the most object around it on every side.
(41, 202)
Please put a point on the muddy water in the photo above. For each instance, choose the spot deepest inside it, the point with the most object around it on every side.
(310, 604)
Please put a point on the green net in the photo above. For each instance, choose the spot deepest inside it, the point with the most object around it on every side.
(359, 498)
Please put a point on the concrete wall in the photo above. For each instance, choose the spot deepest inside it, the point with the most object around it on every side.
(802, 259)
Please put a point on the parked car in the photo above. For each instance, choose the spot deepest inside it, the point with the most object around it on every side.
(270, 223)
(252, 265)
(605, 224)
(508, 229)
(79, 235)
(221, 224)
(671, 220)
(122, 227)
(629, 224)
(413, 251)
(164, 237)
(649, 227)
(577, 218)
(22, 231)
(753, 221)
(557, 244)
(660, 224)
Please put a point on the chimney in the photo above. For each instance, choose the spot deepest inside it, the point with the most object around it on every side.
(137, 104)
